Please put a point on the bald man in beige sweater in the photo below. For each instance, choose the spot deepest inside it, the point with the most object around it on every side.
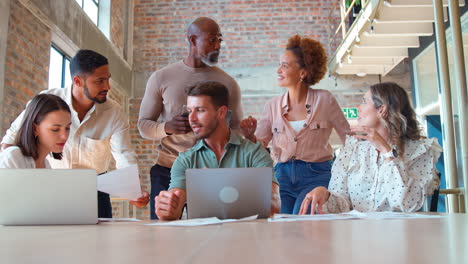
(162, 115)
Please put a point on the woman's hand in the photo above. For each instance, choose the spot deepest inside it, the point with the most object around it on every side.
(314, 200)
(248, 127)
(371, 135)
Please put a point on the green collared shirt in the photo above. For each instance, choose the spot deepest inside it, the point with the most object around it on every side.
(240, 153)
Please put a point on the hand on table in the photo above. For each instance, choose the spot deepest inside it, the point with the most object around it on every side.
(314, 201)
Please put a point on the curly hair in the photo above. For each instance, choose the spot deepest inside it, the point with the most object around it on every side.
(400, 121)
(311, 56)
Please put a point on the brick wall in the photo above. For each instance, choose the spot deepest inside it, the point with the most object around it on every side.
(254, 31)
(27, 61)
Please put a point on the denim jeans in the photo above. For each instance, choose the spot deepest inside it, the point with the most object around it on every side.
(297, 178)
(160, 179)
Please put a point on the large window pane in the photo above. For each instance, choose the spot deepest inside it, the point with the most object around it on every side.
(68, 80)
(59, 69)
(91, 8)
(55, 69)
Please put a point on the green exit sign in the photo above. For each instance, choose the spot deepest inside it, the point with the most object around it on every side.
(350, 113)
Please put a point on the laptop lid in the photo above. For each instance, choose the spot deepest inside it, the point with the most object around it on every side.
(228, 193)
(48, 196)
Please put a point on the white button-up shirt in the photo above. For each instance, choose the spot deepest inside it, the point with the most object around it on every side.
(103, 132)
(364, 181)
(13, 158)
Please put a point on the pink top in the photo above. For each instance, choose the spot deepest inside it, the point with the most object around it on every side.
(311, 143)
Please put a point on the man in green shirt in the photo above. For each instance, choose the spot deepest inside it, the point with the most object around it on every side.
(217, 147)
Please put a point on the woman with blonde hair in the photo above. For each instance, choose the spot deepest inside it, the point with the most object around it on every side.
(386, 166)
(299, 123)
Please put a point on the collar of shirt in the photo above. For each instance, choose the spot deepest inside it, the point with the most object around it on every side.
(308, 102)
(234, 139)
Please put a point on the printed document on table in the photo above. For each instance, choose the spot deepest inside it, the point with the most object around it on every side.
(315, 217)
(202, 221)
(123, 183)
(350, 215)
(397, 215)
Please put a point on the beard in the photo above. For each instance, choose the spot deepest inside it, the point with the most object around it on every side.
(94, 99)
(211, 127)
(211, 59)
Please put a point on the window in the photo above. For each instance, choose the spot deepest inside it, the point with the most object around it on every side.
(59, 69)
(91, 8)
(99, 12)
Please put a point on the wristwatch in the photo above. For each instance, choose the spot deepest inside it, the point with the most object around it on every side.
(393, 153)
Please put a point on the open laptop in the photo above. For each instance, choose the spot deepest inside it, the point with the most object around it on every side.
(228, 193)
(48, 196)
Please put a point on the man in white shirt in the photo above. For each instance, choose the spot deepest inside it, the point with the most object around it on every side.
(99, 127)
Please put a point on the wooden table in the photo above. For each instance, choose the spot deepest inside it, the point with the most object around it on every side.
(441, 240)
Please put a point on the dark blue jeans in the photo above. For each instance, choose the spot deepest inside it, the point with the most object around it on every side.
(297, 178)
(160, 179)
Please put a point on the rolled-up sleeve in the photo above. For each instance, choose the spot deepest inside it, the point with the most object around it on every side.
(150, 110)
(263, 132)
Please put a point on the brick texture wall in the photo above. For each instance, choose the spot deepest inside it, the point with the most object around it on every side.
(254, 31)
(27, 61)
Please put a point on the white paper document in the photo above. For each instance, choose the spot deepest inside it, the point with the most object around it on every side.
(397, 215)
(202, 221)
(350, 215)
(316, 217)
(123, 183)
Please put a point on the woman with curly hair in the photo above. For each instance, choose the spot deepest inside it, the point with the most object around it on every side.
(299, 123)
(386, 166)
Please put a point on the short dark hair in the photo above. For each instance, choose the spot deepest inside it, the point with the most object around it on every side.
(36, 111)
(86, 61)
(216, 91)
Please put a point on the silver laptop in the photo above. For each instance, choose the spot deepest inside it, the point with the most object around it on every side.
(228, 193)
(48, 197)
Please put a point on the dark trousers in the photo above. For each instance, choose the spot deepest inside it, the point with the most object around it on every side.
(160, 179)
(104, 205)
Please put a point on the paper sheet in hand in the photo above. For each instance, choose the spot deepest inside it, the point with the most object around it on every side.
(202, 221)
(123, 183)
